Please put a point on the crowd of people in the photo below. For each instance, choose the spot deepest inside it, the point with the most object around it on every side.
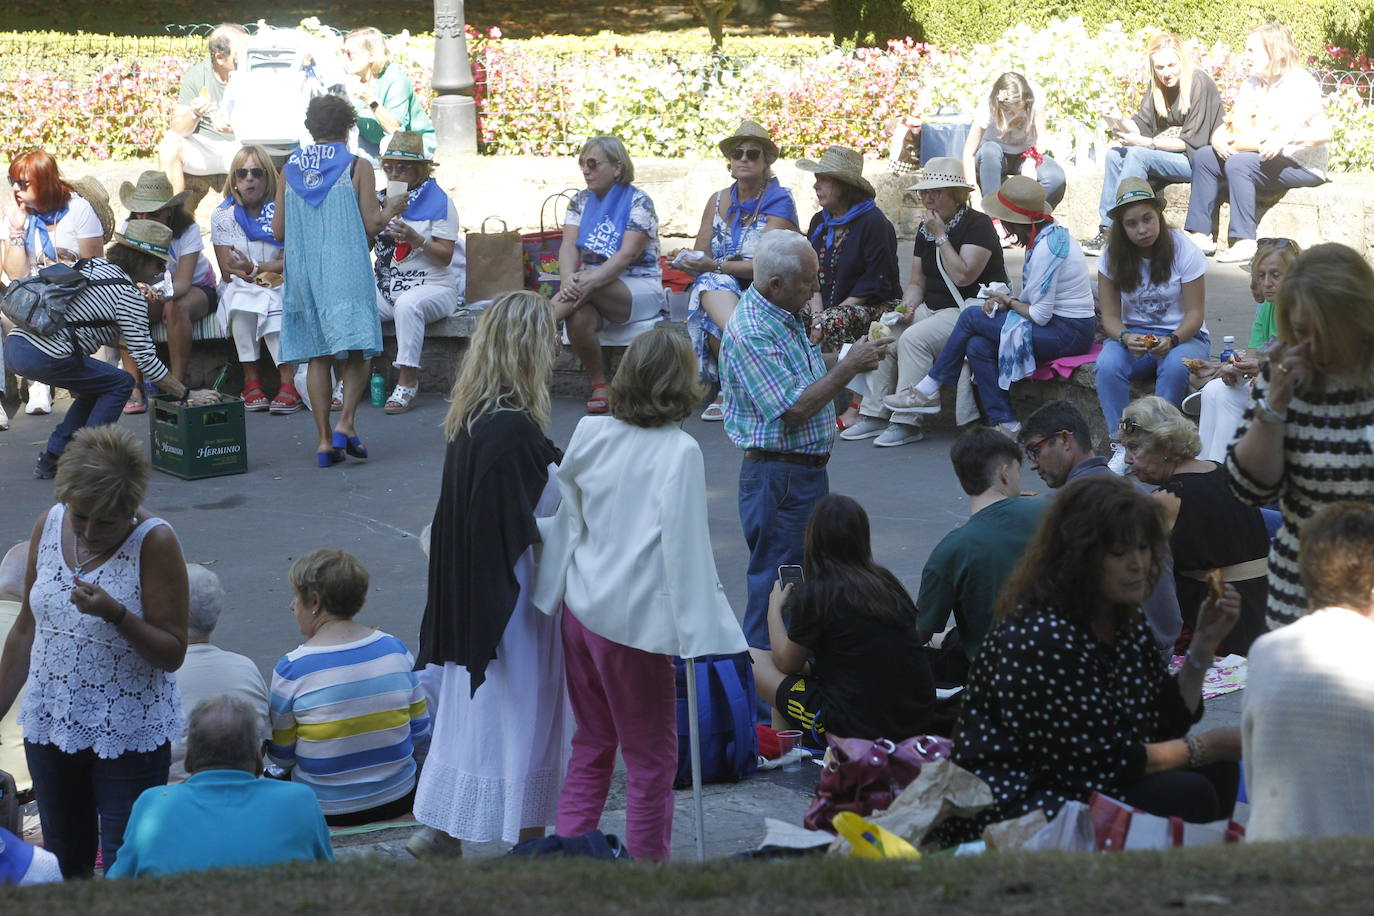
(563, 582)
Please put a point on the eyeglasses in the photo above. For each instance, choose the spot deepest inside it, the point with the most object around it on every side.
(391, 165)
(244, 173)
(1033, 448)
(20, 183)
(753, 154)
(591, 164)
(1273, 243)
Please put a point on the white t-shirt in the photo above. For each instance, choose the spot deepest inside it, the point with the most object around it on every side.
(1291, 105)
(225, 230)
(210, 671)
(1159, 307)
(417, 269)
(79, 223)
(1013, 141)
(187, 243)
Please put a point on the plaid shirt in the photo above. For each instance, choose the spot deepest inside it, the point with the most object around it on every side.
(766, 362)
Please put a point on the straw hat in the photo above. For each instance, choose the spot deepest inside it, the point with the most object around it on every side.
(407, 145)
(1133, 191)
(751, 130)
(93, 192)
(1019, 200)
(941, 172)
(152, 193)
(148, 236)
(841, 164)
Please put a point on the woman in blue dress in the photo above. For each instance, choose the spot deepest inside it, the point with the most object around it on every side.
(327, 214)
(734, 220)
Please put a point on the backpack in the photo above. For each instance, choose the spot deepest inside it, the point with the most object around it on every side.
(38, 304)
(725, 710)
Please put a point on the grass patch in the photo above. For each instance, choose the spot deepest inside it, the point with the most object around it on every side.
(1313, 876)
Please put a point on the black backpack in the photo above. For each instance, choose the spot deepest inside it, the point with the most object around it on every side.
(38, 304)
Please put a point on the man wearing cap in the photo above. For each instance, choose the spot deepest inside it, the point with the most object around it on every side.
(779, 409)
(199, 140)
(109, 310)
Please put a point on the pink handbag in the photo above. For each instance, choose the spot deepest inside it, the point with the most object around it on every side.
(865, 776)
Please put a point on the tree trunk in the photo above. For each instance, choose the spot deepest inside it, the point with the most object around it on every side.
(714, 17)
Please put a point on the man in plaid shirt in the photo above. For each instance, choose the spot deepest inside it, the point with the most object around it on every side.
(779, 408)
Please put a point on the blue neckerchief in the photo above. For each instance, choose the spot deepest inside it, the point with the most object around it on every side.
(604, 221)
(830, 222)
(257, 229)
(36, 236)
(427, 202)
(313, 170)
(774, 200)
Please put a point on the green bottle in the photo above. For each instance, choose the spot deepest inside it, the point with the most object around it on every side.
(378, 390)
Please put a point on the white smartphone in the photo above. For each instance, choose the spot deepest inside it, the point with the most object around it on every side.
(790, 575)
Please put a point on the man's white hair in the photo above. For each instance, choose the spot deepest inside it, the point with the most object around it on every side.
(206, 600)
(780, 253)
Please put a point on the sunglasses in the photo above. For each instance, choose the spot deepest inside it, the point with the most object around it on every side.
(1273, 243)
(752, 154)
(591, 165)
(1033, 448)
(244, 173)
(20, 183)
(1130, 426)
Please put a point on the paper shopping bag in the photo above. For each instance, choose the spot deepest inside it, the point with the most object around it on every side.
(494, 262)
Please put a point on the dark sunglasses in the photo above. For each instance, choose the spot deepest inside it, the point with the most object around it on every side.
(1273, 243)
(20, 183)
(751, 154)
(1130, 426)
(244, 173)
(591, 164)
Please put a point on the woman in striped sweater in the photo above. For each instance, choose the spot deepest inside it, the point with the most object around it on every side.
(1308, 438)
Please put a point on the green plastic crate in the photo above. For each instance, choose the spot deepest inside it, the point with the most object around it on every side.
(197, 442)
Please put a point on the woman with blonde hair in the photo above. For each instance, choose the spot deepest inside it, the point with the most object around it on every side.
(1177, 116)
(1306, 441)
(630, 553)
(1275, 138)
(493, 662)
(382, 93)
(1007, 132)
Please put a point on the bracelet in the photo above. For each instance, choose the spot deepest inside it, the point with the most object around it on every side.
(1173, 340)
(1121, 338)
(942, 240)
(1266, 414)
(1191, 661)
(1197, 751)
(117, 619)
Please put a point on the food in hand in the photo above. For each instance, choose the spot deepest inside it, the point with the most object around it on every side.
(1151, 341)
(1193, 365)
(269, 278)
(1216, 584)
(877, 331)
(903, 308)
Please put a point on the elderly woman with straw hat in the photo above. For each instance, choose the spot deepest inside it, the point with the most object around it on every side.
(1003, 341)
(857, 248)
(416, 282)
(734, 220)
(957, 250)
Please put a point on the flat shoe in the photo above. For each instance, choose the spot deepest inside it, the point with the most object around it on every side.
(336, 399)
(911, 399)
(135, 405)
(714, 412)
(866, 428)
(597, 403)
(899, 434)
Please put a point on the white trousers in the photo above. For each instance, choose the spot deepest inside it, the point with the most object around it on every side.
(909, 360)
(243, 326)
(1222, 410)
(415, 308)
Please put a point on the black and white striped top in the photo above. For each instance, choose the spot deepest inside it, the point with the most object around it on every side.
(1328, 456)
(121, 304)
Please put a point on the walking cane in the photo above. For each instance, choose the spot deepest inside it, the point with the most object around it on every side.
(694, 735)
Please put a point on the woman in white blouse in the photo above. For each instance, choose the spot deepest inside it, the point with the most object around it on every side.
(1274, 139)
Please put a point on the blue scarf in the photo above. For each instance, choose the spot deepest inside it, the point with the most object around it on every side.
(427, 202)
(36, 236)
(604, 220)
(257, 229)
(313, 170)
(774, 200)
(831, 222)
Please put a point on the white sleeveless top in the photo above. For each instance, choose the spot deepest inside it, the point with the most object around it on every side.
(88, 687)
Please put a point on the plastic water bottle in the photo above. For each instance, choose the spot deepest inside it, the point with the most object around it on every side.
(378, 390)
(1228, 349)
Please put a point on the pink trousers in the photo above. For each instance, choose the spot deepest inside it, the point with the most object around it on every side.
(620, 697)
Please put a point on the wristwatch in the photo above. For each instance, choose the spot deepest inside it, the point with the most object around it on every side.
(942, 240)
(1173, 340)
(372, 104)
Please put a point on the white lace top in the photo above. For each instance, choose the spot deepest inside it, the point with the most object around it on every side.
(87, 686)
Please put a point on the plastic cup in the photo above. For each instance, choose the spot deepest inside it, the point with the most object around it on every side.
(788, 740)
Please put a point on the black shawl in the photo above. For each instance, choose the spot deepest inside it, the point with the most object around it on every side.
(493, 477)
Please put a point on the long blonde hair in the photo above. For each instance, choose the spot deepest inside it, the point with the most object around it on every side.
(508, 363)
(1281, 48)
(1170, 42)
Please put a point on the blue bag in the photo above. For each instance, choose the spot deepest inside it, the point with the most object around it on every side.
(725, 708)
(943, 134)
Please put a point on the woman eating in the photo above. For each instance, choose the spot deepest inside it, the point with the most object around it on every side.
(383, 95)
(415, 284)
(1006, 134)
(1275, 138)
(251, 263)
(608, 261)
(1152, 294)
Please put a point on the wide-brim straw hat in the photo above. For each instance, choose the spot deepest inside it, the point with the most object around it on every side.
(751, 130)
(93, 192)
(407, 146)
(1018, 200)
(1133, 191)
(148, 236)
(841, 164)
(152, 193)
(942, 172)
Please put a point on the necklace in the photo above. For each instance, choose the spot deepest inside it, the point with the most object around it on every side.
(79, 570)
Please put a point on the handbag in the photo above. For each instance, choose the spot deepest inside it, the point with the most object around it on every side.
(540, 249)
(494, 262)
(864, 776)
(1118, 826)
(725, 719)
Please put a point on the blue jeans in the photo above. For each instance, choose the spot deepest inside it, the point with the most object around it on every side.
(775, 503)
(1246, 174)
(98, 389)
(978, 337)
(1138, 162)
(1117, 368)
(993, 165)
(82, 797)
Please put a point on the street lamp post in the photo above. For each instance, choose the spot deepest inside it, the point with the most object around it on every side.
(453, 110)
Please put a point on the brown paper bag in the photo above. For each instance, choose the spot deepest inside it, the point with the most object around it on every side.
(495, 262)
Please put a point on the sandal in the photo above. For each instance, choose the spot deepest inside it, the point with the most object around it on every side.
(254, 398)
(598, 403)
(336, 399)
(350, 444)
(840, 424)
(714, 412)
(288, 400)
(137, 403)
(401, 400)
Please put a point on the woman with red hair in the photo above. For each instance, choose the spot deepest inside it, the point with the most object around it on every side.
(46, 215)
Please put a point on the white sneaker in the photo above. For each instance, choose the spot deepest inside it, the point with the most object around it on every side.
(899, 434)
(1117, 463)
(1012, 429)
(40, 399)
(4, 419)
(866, 428)
(1240, 250)
(427, 843)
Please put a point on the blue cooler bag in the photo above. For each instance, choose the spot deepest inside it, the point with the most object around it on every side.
(944, 134)
(725, 708)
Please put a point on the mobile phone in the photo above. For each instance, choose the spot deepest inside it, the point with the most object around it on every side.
(789, 575)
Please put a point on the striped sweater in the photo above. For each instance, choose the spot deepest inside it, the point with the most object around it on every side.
(349, 721)
(1328, 456)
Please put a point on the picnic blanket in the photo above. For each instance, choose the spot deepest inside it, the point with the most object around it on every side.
(1227, 675)
(1064, 366)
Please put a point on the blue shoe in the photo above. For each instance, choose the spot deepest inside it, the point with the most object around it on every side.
(350, 444)
(330, 458)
